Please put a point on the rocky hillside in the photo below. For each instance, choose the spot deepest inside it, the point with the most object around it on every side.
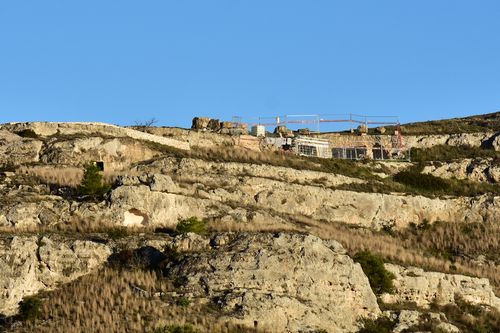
(212, 233)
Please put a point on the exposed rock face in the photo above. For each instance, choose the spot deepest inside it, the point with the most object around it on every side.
(233, 193)
(219, 186)
(15, 150)
(480, 170)
(282, 282)
(29, 264)
(415, 285)
(46, 129)
(462, 139)
(205, 170)
(138, 205)
(117, 154)
(193, 137)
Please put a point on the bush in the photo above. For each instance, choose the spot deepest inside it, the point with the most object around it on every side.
(373, 266)
(30, 308)
(184, 302)
(380, 325)
(421, 181)
(191, 225)
(92, 184)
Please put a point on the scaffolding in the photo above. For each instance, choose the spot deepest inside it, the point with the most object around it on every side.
(306, 146)
(354, 120)
(361, 146)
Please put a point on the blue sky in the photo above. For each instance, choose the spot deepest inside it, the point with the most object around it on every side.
(126, 61)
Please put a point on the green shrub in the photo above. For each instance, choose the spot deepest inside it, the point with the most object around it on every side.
(30, 308)
(116, 233)
(380, 325)
(184, 302)
(191, 224)
(373, 266)
(92, 184)
(421, 181)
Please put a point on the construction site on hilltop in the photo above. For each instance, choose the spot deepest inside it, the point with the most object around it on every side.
(367, 137)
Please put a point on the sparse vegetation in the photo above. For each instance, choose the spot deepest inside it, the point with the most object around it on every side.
(192, 224)
(446, 153)
(472, 124)
(64, 176)
(379, 325)
(419, 183)
(175, 329)
(471, 318)
(380, 279)
(105, 301)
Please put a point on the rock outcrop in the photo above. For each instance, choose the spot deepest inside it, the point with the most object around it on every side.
(414, 285)
(281, 282)
(483, 139)
(47, 129)
(215, 191)
(479, 170)
(116, 153)
(16, 150)
(29, 264)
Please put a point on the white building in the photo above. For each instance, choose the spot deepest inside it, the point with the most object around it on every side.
(258, 130)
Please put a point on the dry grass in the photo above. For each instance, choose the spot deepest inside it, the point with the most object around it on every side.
(65, 176)
(416, 251)
(112, 300)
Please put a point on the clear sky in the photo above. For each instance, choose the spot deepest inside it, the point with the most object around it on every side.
(124, 61)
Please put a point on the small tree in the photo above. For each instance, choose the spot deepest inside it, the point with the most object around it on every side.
(92, 184)
(146, 123)
(373, 266)
(30, 308)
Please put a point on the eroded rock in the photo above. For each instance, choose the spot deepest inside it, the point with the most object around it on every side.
(282, 282)
(29, 264)
(423, 288)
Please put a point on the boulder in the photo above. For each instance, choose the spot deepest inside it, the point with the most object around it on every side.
(495, 143)
(280, 282)
(214, 125)
(200, 123)
(163, 183)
